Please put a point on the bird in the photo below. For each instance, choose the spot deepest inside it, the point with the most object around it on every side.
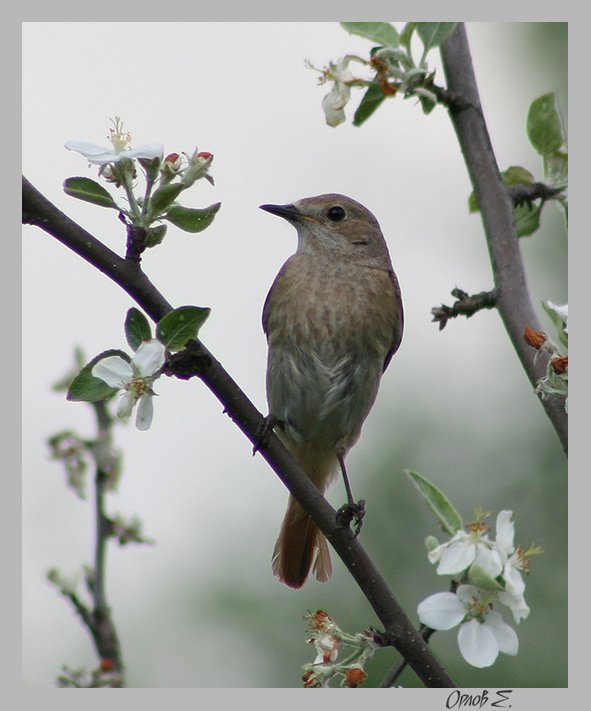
(333, 319)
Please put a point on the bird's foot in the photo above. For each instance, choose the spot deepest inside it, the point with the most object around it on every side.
(353, 512)
(266, 426)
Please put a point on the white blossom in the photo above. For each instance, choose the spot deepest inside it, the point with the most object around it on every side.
(101, 155)
(464, 549)
(135, 378)
(334, 102)
(482, 634)
(513, 561)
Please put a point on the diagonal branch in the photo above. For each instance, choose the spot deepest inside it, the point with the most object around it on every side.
(399, 631)
(496, 208)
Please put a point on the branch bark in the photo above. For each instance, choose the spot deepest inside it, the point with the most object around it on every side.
(398, 630)
(103, 628)
(496, 208)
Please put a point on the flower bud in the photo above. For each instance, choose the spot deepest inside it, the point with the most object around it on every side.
(319, 620)
(431, 543)
(198, 166)
(170, 168)
(354, 677)
(310, 680)
(559, 364)
(173, 161)
(535, 339)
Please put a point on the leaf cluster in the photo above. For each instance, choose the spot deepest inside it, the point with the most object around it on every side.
(396, 72)
(174, 331)
(547, 136)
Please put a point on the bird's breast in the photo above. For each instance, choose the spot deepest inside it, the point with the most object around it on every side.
(330, 327)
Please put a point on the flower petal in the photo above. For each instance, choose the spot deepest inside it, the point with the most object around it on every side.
(478, 644)
(504, 634)
(441, 611)
(517, 605)
(505, 534)
(149, 357)
(489, 560)
(87, 149)
(456, 558)
(562, 311)
(149, 150)
(104, 158)
(113, 370)
(513, 579)
(467, 593)
(334, 116)
(126, 404)
(145, 412)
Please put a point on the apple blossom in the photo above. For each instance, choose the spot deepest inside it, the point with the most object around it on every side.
(482, 633)
(135, 378)
(100, 155)
(334, 102)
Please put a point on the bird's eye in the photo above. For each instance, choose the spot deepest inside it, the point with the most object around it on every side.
(336, 214)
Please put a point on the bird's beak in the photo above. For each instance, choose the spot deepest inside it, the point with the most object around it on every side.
(288, 212)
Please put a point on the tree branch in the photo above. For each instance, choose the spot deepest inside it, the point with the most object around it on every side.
(466, 305)
(392, 676)
(496, 208)
(399, 631)
(103, 629)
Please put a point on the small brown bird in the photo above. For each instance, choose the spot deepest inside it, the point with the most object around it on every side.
(333, 320)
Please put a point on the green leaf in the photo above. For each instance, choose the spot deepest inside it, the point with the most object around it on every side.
(380, 32)
(517, 175)
(180, 325)
(558, 322)
(449, 519)
(556, 168)
(137, 328)
(372, 98)
(473, 205)
(526, 219)
(191, 219)
(86, 388)
(90, 191)
(155, 235)
(164, 196)
(544, 128)
(427, 99)
(406, 34)
(433, 34)
(481, 579)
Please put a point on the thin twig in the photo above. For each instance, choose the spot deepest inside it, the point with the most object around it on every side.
(103, 629)
(466, 305)
(527, 193)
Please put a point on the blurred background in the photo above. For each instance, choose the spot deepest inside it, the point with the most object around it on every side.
(200, 607)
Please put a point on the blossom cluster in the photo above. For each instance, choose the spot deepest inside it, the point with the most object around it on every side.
(488, 575)
(165, 178)
(329, 640)
(555, 382)
(115, 161)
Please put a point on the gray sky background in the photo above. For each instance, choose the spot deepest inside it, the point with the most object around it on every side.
(242, 92)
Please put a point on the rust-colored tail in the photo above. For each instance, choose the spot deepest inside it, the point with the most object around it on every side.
(300, 538)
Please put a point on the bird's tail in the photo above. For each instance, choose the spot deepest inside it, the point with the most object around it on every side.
(300, 540)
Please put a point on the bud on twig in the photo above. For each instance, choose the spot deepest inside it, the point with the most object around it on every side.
(535, 339)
